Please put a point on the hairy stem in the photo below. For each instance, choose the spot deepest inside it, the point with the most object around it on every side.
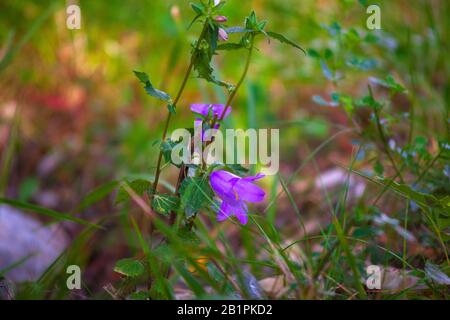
(169, 115)
(238, 85)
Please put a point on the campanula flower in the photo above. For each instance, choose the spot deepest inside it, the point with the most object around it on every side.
(204, 109)
(223, 35)
(234, 192)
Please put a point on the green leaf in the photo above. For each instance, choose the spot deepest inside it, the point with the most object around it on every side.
(283, 39)
(378, 168)
(251, 21)
(364, 64)
(14, 265)
(237, 169)
(198, 8)
(166, 149)
(389, 83)
(47, 212)
(204, 54)
(313, 53)
(97, 194)
(143, 77)
(195, 194)
(139, 186)
(164, 203)
(27, 188)
(422, 199)
(188, 236)
(11, 51)
(129, 267)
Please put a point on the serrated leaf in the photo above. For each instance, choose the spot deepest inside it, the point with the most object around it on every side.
(166, 148)
(283, 39)
(164, 203)
(203, 56)
(433, 272)
(195, 194)
(143, 77)
(129, 267)
(140, 186)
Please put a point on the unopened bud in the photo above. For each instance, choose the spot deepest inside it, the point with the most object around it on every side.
(223, 35)
(221, 19)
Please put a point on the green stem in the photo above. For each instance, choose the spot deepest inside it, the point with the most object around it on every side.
(386, 146)
(384, 140)
(233, 93)
(169, 115)
(238, 85)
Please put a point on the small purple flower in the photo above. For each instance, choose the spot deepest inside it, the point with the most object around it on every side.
(203, 109)
(223, 35)
(234, 192)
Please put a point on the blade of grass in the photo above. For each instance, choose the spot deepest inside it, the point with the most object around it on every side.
(47, 212)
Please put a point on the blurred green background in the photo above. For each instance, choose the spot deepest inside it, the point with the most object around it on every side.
(73, 116)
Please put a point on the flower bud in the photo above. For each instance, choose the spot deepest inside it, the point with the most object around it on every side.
(221, 19)
(223, 35)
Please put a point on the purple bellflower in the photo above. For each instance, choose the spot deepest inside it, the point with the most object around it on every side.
(234, 192)
(204, 109)
(223, 35)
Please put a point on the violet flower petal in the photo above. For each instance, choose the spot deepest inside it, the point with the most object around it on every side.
(253, 178)
(203, 109)
(222, 183)
(224, 212)
(240, 211)
(223, 35)
(234, 192)
(248, 191)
